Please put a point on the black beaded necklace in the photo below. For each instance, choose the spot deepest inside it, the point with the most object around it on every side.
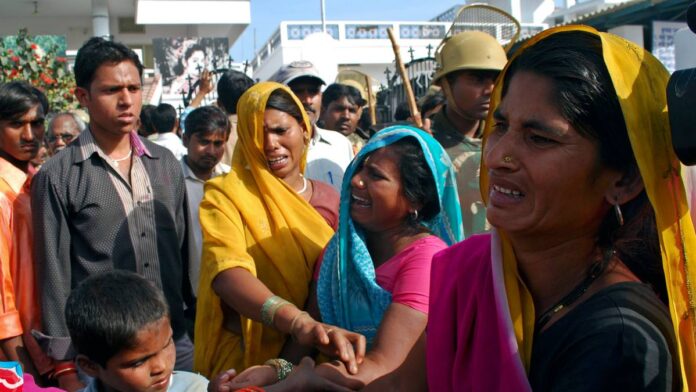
(595, 271)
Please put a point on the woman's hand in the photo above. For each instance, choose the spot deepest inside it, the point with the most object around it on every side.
(304, 378)
(257, 376)
(335, 342)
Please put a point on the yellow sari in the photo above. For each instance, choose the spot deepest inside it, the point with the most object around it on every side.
(640, 82)
(253, 220)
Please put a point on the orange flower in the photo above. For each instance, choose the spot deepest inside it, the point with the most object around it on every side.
(33, 46)
(15, 59)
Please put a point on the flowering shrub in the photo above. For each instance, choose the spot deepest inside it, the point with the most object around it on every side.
(41, 67)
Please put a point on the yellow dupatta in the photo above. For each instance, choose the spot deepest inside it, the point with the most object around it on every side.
(640, 81)
(251, 219)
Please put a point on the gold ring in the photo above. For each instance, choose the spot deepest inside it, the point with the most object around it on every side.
(507, 159)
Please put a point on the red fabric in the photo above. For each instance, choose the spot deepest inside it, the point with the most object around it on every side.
(325, 200)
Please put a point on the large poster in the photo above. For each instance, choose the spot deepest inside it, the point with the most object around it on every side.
(180, 60)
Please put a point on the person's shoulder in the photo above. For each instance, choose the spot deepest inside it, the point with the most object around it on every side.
(187, 381)
(471, 257)
(324, 190)
(615, 305)
(58, 164)
(333, 136)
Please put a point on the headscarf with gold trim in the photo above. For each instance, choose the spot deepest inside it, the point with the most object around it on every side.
(640, 81)
(252, 219)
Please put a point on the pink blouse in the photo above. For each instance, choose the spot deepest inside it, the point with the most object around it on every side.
(407, 274)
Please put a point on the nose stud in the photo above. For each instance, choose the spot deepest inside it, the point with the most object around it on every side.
(361, 183)
(507, 159)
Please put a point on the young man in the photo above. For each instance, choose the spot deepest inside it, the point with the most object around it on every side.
(207, 131)
(469, 62)
(63, 128)
(21, 135)
(164, 122)
(119, 325)
(110, 200)
(329, 152)
(341, 109)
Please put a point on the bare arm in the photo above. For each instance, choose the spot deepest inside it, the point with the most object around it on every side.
(242, 291)
(409, 377)
(205, 86)
(398, 333)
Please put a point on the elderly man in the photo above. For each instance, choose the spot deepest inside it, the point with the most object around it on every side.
(63, 128)
(110, 200)
(329, 152)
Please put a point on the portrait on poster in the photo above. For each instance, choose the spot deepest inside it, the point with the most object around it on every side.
(180, 60)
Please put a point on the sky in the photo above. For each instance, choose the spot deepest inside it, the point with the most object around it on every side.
(266, 16)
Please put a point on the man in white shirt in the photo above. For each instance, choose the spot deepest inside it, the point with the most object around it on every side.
(166, 124)
(329, 152)
(207, 131)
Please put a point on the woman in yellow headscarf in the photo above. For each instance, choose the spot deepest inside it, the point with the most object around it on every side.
(264, 226)
(586, 282)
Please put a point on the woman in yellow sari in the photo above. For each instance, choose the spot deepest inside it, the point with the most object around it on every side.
(264, 226)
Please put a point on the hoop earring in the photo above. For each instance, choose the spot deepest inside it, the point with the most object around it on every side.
(414, 215)
(619, 214)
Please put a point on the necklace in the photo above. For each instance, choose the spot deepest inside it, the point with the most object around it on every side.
(595, 271)
(304, 186)
(116, 161)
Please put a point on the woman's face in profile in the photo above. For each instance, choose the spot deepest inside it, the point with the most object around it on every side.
(377, 201)
(545, 177)
(196, 61)
(283, 143)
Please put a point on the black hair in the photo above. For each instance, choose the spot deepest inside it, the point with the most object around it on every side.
(586, 98)
(193, 49)
(97, 51)
(402, 112)
(282, 100)
(417, 179)
(337, 91)
(432, 101)
(206, 119)
(18, 97)
(105, 312)
(230, 87)
(146, 127)
(163, 118)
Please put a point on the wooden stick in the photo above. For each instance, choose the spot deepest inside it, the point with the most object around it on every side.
(371, 102)
(406, 82)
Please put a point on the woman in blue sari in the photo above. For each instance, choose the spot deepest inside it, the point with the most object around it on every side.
(399, 206)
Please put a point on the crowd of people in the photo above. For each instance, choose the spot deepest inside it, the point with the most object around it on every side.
(534, 234)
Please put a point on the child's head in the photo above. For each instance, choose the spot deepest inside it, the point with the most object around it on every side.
(119, 325)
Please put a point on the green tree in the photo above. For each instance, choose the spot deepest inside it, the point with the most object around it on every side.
(23, 59)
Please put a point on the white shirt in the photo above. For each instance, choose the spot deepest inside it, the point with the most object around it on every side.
(171, 142)
(328, 157)
(194, 195)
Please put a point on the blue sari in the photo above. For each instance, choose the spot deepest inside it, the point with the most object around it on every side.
(347, 291)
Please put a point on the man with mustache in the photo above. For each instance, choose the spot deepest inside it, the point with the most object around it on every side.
(22, 114)
(341, 108)
(468, 64)
(207, 130)
(63, 128)
(329, 152)
(110, 200)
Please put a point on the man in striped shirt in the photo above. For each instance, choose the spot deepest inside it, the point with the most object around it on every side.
(110, 200)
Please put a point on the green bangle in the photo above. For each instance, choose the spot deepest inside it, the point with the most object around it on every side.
(269, 309)
(282, 367)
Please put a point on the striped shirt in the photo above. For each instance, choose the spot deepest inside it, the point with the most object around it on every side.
(89, 219)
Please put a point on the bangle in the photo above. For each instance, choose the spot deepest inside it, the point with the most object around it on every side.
(282, 367)
(294, 320)
(63, 369)
(269, 309)
(251, 389)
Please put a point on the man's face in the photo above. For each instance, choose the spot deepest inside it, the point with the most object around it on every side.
(471, 92)
(63, 130)
(21, 138)
(114, 99)
(341, 115)
(205, 150)
(308, 90)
